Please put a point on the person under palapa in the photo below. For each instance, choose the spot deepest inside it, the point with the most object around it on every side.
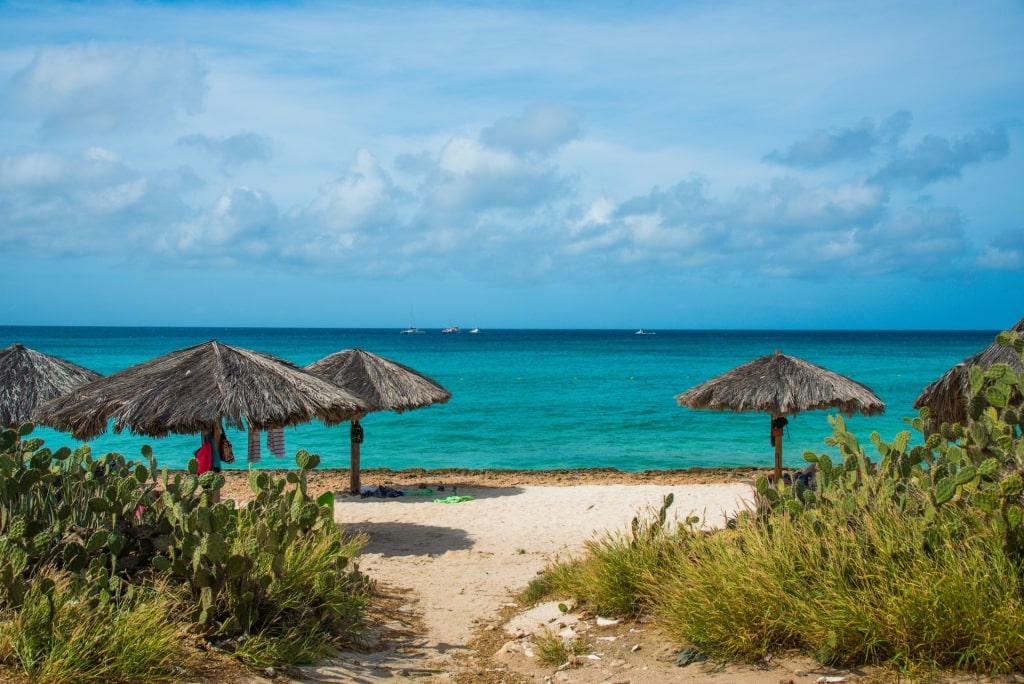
(215, 449)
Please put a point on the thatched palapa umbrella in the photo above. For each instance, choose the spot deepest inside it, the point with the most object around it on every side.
(385, 385)
(192, 390)
(782, 386)
(948, 397)
(30, 378)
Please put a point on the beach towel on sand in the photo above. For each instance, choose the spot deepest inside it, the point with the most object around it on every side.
(454, 499)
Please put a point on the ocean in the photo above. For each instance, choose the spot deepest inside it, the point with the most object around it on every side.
(542, 399)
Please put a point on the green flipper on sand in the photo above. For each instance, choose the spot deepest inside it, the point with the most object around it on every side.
(419, 492)
(453, 499)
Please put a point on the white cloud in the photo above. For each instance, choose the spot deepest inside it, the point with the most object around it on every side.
(473, 177)
(240, 225)
(115, 198)
(788, 206)
(1005, 252)
(232, 150)
(936, 158)
(93, 87)
(541, 128)
(996, 259)
(600, 212)
(92, 204)
(29, 170)
(361, 199)
(826, 147)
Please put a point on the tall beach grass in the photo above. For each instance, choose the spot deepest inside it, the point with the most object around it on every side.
(848, 589)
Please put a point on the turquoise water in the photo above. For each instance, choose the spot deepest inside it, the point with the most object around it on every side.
(540, 399)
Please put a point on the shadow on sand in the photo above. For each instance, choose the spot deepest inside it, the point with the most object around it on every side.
(396, 539)
(431, 496)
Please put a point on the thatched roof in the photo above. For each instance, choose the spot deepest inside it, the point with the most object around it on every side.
(384, 384)
(782, 385)
(189, 390)
(948, 396)
(29, 378)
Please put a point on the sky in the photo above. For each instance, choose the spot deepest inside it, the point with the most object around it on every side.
(723, 164)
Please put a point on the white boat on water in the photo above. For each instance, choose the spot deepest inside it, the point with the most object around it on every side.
(641, 331)
(452, 330)
(474, 331)
(412, 329)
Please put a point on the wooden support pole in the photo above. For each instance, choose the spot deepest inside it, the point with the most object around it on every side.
(777, 440)
(353, 478)
(355, 439)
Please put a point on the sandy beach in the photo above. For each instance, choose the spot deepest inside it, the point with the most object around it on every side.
(451, 571)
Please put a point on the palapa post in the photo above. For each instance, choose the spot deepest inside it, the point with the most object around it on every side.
(355, 432)
(777, 441)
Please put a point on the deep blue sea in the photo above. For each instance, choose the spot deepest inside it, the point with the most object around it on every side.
(543, 399)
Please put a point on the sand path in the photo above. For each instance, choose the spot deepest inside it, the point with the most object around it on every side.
(458, 564)
(464, 560)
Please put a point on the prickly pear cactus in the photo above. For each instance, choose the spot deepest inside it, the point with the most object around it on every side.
(978, 466)
(70, 511)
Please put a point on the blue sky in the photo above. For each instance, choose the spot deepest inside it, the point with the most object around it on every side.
(721, 164)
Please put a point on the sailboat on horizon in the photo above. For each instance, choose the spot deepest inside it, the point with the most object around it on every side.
(412, 329)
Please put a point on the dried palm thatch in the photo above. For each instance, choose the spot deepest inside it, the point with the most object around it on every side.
(29, 378)
(782, 385)
(948, 397)
(385, 385)
(190, 390)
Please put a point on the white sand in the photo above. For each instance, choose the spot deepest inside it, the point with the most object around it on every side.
(464, 561)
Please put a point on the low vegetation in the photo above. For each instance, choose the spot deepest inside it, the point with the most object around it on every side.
(914, 561)
(107, 568)
(558, 651)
